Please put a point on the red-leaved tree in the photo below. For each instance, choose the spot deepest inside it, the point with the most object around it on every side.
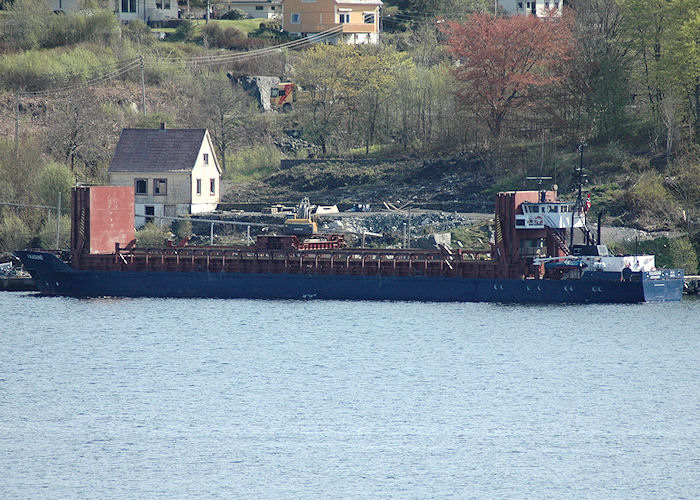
(503, 60)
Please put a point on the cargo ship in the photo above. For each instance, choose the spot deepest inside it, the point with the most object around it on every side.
(529, 261)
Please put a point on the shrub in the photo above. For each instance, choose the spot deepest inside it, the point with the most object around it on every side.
(234, 15)
(138, 32)
(256, 163)
(152, 236)
(182, 228)
(47, 235)
(14, 233)
(26, 23)
(39, 70)
(648, 205)
(185, 31)
(221, 38)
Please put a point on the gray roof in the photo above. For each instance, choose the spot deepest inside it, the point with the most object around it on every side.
(149, 150)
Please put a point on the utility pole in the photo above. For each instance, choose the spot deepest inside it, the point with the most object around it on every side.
(206, 18)
(143, 88)
(16, 126)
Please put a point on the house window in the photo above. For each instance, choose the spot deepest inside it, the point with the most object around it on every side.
(166, 4)
(206, 158)
(160, 187)
(212, 187)
(369, 17)
(141, 186)
(128, 6)
(272, 7)
(149, 210)
(556, 5)
(159, 4)
(520, 5)
(199, 186)
(258, 7)
(295, 19)
(344, 18)
(546, 5)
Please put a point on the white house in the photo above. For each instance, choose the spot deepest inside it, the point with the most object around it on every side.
(174, 171)
(538, 8)
(263, 9)
(145, 10)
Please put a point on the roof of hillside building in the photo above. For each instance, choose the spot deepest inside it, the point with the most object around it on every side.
(157, 150)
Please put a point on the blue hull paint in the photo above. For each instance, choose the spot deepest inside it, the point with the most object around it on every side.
(56, 278)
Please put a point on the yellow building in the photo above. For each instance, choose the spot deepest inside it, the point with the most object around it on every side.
(333, 21)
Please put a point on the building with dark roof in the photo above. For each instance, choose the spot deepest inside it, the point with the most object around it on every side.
(174, 171)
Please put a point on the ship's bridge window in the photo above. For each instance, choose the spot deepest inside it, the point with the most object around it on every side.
(552, 208)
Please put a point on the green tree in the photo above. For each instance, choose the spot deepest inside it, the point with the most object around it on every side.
(325, 74)
(55, 178)
(372, 79)
(663, 37)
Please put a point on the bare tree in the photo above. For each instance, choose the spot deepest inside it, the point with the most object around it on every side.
(226, 110)
(80, 134)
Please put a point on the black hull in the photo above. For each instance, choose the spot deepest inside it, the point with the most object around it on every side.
(54, 277)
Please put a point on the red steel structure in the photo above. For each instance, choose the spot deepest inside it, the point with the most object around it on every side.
(102, 238)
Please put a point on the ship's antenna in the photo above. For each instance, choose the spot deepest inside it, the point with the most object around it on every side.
(579, 198)
(539, 184)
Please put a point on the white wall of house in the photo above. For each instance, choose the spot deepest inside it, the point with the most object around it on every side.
(145, 10)
(206, 180)
(256, 10)
(158, 212)
(537, 7)
(167, 192)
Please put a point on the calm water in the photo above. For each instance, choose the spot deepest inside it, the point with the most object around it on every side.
(142, 398)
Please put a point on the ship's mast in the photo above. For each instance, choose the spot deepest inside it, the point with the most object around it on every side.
(579, 197)
(539, 185)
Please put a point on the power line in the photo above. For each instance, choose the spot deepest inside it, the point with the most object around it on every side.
(221, 58)
(130, 64)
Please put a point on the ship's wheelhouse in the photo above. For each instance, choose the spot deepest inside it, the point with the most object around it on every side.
(556, 215)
